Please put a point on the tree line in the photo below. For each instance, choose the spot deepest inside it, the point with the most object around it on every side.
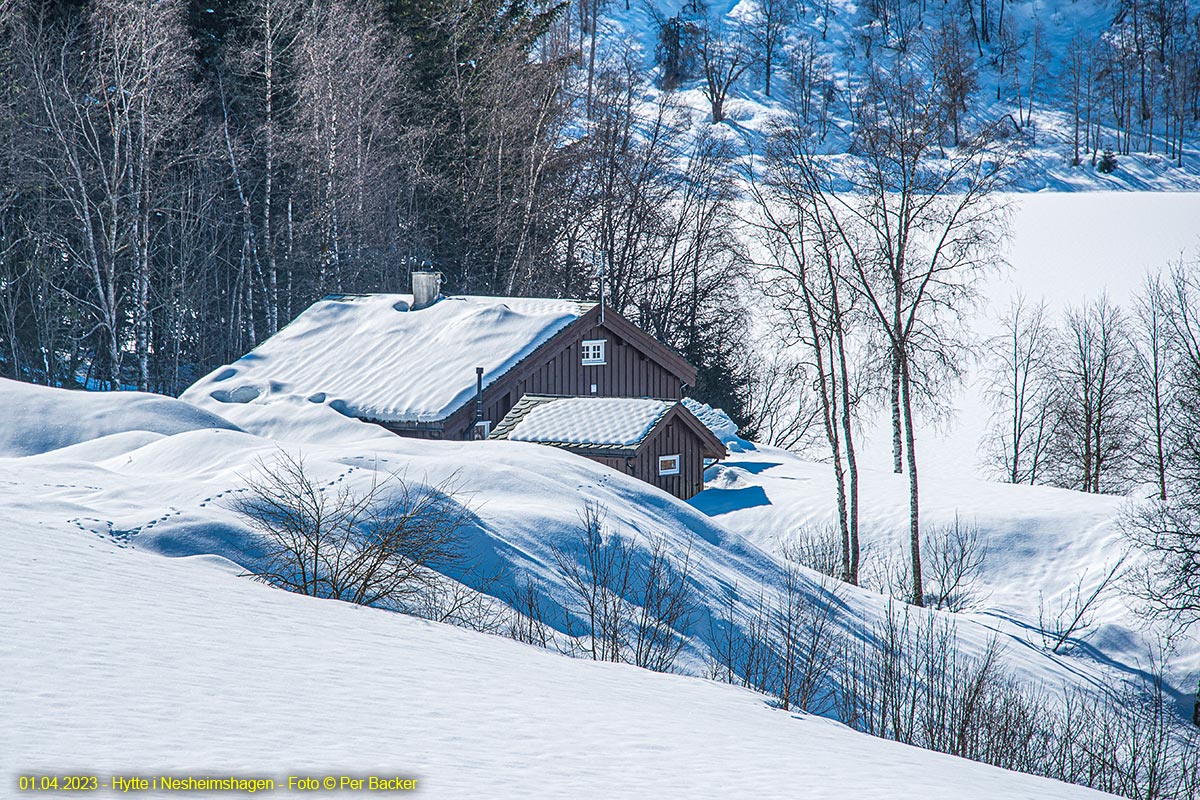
(180, 180)
(1103, 398)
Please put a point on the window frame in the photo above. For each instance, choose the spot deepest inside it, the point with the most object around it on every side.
(677, 457)
(593, 361)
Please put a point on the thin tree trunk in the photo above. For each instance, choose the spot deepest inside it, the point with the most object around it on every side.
(914, 507)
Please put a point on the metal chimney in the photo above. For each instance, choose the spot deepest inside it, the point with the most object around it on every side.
(426, 288)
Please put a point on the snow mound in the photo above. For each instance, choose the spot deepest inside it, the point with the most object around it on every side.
(39, 419)
(720, 424)
(369, 356)
(293, 419)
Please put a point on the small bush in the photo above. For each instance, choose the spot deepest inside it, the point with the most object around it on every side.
(386, 546)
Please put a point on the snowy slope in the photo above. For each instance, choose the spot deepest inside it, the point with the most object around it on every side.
(837, 47)
(169, 495)
(1042, 542)
(150, 666)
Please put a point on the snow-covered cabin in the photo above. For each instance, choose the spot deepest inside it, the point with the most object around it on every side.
(435, 367)
(659, 441)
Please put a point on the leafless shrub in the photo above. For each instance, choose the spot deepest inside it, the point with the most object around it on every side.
(886, 571)
(468, 604)
(1070, 618)
(908, 680)
(954, 556)
(806, 644)
(665, 607)
(386, 546)
(596, 575)
(739, 637)
(527, 622)
(625, 604)
(817, 547)
(788, 647)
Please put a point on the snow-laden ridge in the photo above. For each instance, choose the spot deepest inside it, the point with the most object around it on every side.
(39, 419)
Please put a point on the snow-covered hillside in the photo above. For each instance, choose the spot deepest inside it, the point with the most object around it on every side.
(170, 495)
(117, 661)
(131, 633)
(140, 662)
(1041, 542)
(831, 39)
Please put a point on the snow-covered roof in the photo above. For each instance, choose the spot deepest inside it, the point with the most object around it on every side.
(370, 356)
(615, 422)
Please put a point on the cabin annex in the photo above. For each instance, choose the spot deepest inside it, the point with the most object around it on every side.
(658, 441)
(464, 367)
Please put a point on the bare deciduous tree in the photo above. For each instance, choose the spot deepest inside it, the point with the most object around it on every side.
(781, 409)
(724, 57)
(1156, 367)
(912, 238)
(769, 24)
(1096, 431)
(806, 282)
(1024, 387)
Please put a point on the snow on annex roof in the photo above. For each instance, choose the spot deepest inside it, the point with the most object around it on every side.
(603, 422)
(370, 356)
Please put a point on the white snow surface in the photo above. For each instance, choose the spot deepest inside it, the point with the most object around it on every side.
(617, 421)
(717, 421)
(38, 419)
(369, 356)
(142, 660)
(150, 666)
(1064, 248)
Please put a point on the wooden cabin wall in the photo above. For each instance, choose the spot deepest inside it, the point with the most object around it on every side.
(628, 373)
(671, 438)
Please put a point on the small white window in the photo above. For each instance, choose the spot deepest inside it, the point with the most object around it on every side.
(668, 465)
(593, 351)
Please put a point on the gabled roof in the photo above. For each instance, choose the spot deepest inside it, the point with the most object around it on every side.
(616, 426)
(664, 355)
(370, 356)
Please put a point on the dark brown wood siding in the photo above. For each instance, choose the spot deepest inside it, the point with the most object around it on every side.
(559, 370)
(670, 438)
(627, 371)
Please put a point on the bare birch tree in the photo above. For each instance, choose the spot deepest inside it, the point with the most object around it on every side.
(1024, 386)
(916, 233)
(805, 280)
